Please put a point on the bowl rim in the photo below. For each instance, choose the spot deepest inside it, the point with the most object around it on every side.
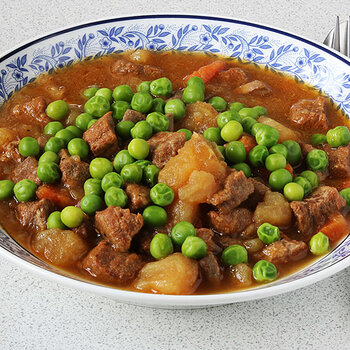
(149, 299)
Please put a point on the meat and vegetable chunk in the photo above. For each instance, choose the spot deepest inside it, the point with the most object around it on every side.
(138, 196)
(32, 111)
(339, 161)
(74, 171)
(211, 269)
(26, 170)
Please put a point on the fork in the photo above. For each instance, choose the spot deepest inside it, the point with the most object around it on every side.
(339, 37)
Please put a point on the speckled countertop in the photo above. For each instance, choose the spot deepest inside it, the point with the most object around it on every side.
(37, 314)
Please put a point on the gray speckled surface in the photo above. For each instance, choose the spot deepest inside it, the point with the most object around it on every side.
(37, 314)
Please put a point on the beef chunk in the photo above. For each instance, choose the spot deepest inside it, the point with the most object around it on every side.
(138, 196)
(283, 251)
(32, 111)
(152, 72)
(312, 212)
(339, 160)
(86, 229)
(255, 87)
(170, 116)
(26, 170)
(118, 226)
(165, 145)
(230, 223)
(42, 139)
(133, 116)
(258, 194)
(74, 171)
(106, 264)
(142, 241)
(101, 137)
(309, 114)
(237, 189)
(10, 157)
(125, 67)
(208, 237)
(33, 215)
(210, 268)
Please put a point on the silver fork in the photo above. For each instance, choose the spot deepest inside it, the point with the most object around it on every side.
(339, 37)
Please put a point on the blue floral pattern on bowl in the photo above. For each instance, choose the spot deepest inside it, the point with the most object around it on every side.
(272, 49)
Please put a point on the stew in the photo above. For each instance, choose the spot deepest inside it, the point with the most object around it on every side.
(173, 173)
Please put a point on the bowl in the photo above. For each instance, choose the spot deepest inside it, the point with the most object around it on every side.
(281, 51)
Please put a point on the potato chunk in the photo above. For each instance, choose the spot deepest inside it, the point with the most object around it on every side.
(274, 210)
(285, 133)
(241, 275)
(174, 274)
(61, 248)
(6, 135)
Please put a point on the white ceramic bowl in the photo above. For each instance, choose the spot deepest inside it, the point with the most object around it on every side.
(306, 60)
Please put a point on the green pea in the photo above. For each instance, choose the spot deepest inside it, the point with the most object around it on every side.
(28, 146)
(158, 105)
(75, 131)
(317, 160)
(247, 124)
(154, 216)
(141, 130)
(150, 175)
(218, 103)
(158, 121)
(6, 189)
(224, 117)
(144, 86)
(275, 161)
(123, 129)
(141, 102)
(264, 271)
(48, 172)
(243, 167)
(236, 106)
(161, 194)
(196, 81)
(24, 190)
(248, 112)
(54, 221)
(116, 196)
(123, 93)
(339, 136)
(294, 151)
(143, 163)
(260, 110)
(193, 94)
(187, 132)
(258, 155)
(304, 183)
(181, 231)
(175, 107)
(82, 121)
(92, 122)
(161, 87)
(52, 128)
(106, 93)
(257, 126)
(97, 106)
(267, 136)
(231, 131)
(57, 110)
(78, 147)
(90, 92)
(161, 246)
(311, 177)
(93, 186)
(138, 148)
(213, 134)
(49, 157)
(131, 173)
(279, 149)
(99, 167)
(293, 192)
(65, 135)
(112, 180)
(72, 216)
(121, 159)
(54, 144)
(119, 108)
(234, 254)
(194, 247)
(279, 178)
(268, 233)
(235, 152)
(345, 193)
(319, 244)
(318, 139)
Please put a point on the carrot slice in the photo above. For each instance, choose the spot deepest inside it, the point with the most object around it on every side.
(60, 196)
(248, 142)
(289, 168)
(208, 72)
(336, 228)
